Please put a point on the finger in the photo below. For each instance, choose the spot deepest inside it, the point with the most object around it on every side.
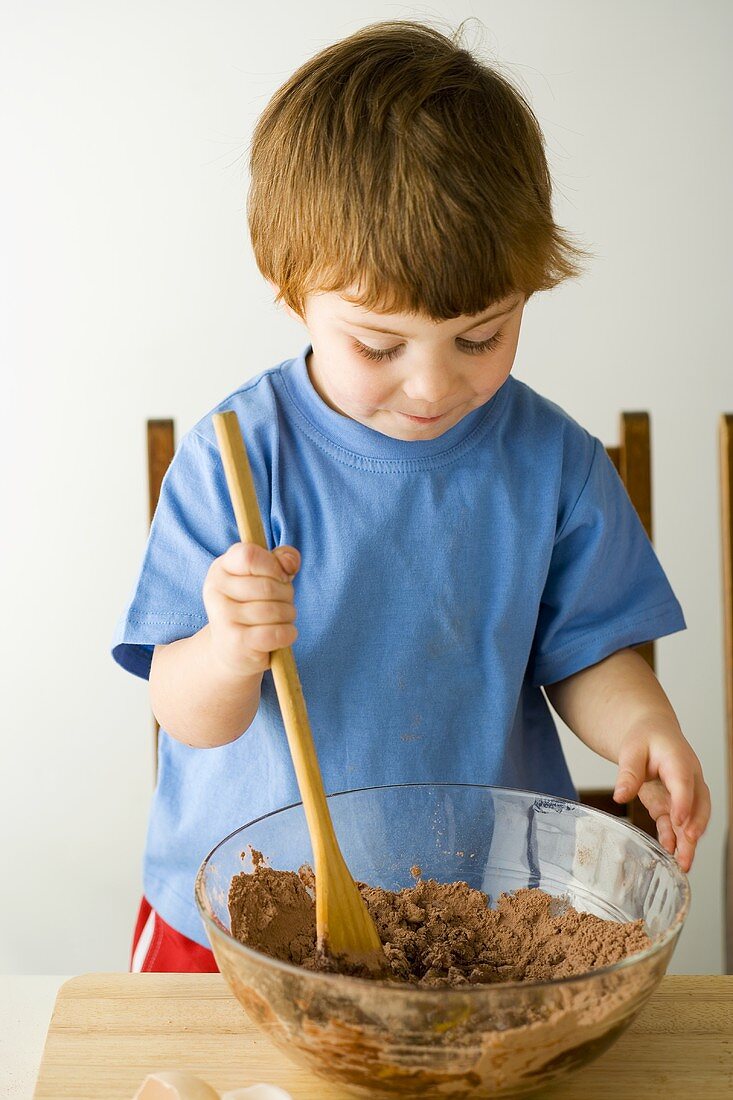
(679, 781)
(264, 639)
(685, 850)
(264, 613)
(666, 834)
(244, 589)
(632, 764)
(655, 797)
(289, 558)
(244, 559)
(700, 813)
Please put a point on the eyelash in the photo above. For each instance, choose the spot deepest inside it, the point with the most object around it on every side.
(469, 346)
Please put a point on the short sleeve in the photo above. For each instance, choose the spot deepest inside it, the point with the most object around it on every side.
(193, 524)
(605, 589)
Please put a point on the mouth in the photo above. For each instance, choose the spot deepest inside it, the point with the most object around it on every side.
(424, 419)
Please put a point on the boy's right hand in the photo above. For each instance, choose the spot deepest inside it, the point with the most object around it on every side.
(248, 596)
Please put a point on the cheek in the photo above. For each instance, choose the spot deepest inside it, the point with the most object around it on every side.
(497, 369)
(364, 389)
(372, 391)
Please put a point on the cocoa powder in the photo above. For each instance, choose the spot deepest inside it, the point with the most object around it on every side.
(434, 933)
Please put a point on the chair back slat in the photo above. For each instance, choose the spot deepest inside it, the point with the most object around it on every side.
(632, 459)
(161, 447)
(635, 469)
(635, 464)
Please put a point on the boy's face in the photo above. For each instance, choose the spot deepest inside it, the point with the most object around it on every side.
(404, 375)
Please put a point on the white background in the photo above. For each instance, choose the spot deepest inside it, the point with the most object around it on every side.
(128, 290)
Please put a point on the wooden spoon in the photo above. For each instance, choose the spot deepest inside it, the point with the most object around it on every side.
(343, 923)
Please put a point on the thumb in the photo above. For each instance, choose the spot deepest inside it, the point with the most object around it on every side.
(632, 764)
(288, 557)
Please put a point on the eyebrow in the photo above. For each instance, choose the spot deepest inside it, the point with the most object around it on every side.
(481, 321)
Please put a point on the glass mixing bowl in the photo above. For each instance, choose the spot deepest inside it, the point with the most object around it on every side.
(387, 1039)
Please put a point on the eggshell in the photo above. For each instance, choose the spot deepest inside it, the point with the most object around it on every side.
(175, 1084)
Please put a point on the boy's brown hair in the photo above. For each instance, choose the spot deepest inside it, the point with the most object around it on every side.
(396, 165)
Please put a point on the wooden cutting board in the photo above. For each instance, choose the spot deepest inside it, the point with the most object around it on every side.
(109, 1030)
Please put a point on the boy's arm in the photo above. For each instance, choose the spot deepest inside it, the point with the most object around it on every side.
(205, 689)
(619, 709)
(197, 699)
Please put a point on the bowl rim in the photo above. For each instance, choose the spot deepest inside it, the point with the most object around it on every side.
(342, 981)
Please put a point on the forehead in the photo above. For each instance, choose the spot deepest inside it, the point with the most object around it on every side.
(337, 308)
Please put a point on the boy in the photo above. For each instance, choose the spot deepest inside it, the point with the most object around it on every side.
(453, 542)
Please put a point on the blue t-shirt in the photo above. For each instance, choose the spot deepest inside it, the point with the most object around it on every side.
(443, 581)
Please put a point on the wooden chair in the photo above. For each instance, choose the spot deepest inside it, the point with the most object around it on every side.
(726, 509)
(632, 458)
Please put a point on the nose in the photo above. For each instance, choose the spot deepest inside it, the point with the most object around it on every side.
(428, 386)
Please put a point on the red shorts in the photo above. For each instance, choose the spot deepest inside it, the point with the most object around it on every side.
(158, 947)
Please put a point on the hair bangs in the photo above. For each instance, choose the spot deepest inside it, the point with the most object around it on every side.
(401, 172)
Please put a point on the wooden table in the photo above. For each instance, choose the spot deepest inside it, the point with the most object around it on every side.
(109, 1030)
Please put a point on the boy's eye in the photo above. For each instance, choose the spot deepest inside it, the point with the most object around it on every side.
(472, 347)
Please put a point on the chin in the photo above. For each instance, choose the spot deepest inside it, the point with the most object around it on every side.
(421, 431)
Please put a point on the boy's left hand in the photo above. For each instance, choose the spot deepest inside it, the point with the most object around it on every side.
(660, 767)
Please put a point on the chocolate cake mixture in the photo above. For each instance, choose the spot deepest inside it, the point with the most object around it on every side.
(434, 933)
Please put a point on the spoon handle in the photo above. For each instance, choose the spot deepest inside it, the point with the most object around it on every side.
(282, 662)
